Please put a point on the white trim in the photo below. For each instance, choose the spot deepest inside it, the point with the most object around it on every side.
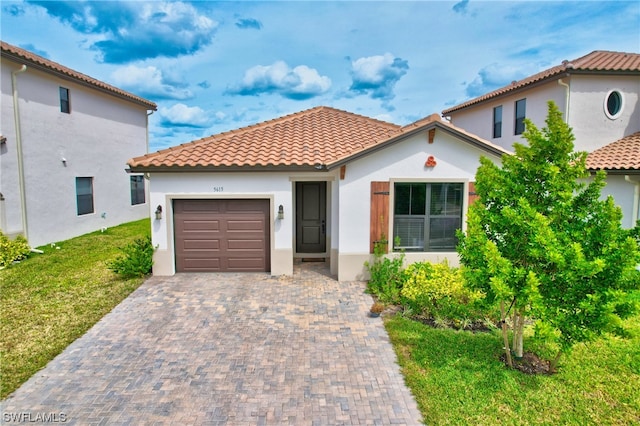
(606, 99)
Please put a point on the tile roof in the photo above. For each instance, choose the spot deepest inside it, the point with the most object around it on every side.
(312, 137)
(596, 62)
(321, 136)
(30, 59)
(623, 154)
(433, 121)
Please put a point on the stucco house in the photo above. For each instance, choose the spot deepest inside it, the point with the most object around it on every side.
(66, 139)
(599, 96)
(317, 184)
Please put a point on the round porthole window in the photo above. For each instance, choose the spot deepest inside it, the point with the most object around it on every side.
(613, 104)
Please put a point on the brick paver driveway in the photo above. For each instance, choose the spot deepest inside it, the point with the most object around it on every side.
(235, 349)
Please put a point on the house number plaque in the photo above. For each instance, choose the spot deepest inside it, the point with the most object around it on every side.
(218, 189)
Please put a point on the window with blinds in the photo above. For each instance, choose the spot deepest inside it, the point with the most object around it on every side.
(427, 215)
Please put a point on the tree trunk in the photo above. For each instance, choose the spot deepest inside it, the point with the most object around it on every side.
(553, 364)
(505, 334)
(518, 333)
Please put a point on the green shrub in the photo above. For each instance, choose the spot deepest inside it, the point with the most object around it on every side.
(438, 291)
(10, 251)
(137, 259)
(386, 276)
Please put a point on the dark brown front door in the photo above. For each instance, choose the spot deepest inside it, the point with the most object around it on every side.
(311, 212)
(222, 235)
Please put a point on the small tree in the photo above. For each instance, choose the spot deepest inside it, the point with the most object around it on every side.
(544, 245)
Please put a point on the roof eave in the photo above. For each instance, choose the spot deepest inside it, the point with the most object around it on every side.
(223, 169)
(612, 171)
(426, 127)
(507, 92)
(543, 80)
(32, 64)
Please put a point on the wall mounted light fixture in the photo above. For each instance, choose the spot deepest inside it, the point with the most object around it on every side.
(159, 212)
(280, 212)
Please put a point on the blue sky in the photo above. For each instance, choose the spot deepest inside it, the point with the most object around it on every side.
(213, 66)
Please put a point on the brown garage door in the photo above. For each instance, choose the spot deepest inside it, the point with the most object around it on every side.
(222, 235)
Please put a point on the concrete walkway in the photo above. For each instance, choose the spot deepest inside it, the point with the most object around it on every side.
(227, 349)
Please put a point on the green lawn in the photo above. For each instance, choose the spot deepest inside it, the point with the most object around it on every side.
(51, 299)
(458, 379)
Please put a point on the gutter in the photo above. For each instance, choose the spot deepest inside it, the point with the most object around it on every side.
(16, 117)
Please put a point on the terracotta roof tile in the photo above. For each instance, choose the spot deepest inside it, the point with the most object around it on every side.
(598, 61)
(31, 59)
(623, 154)
(316, 136)
(433, 121)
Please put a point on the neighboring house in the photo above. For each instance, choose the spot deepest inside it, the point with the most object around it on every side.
(599, 96)
(66, 139)
(621, 161)
(320, 183)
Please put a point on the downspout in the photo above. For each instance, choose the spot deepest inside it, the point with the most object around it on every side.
(16, 117)
(566, 100)
(148, 114)
(147, 191)
(636, 199)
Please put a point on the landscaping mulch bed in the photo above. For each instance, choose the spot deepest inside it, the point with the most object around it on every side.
(530, 363)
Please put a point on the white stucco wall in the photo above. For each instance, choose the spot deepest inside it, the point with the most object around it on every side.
(457, 161)
(591, 126)
(624, 195)
(278, 187)
(479, 119)
(96, 139)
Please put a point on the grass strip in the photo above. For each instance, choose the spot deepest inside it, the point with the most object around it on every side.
(49, 300)
(457, 378)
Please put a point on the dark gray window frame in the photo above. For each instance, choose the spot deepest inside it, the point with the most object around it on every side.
(84, 196)
(520, 113)
(138, 195)
(65, 102)
(419, 220)
(497, 122)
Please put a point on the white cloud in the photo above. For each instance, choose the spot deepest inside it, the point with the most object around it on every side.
(377, 75)
(148, 82)
(494, 76)
(300, 82)
(184, 116)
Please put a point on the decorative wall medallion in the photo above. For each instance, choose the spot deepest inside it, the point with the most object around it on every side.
(431, 162)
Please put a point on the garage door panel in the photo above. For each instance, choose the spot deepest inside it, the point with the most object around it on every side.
(247, 245)
(195, 206)
(245, 264)
(201, 225)
(201, 244)
(222, 235)
(202, 265)
(246, 206)
(245, 225)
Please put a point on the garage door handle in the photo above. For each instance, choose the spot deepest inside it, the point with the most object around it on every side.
(323, 230)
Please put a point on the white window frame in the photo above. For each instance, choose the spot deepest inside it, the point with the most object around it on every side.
(605, 104)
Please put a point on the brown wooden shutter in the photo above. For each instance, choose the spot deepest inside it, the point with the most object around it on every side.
(472, 193)
(379, 212)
